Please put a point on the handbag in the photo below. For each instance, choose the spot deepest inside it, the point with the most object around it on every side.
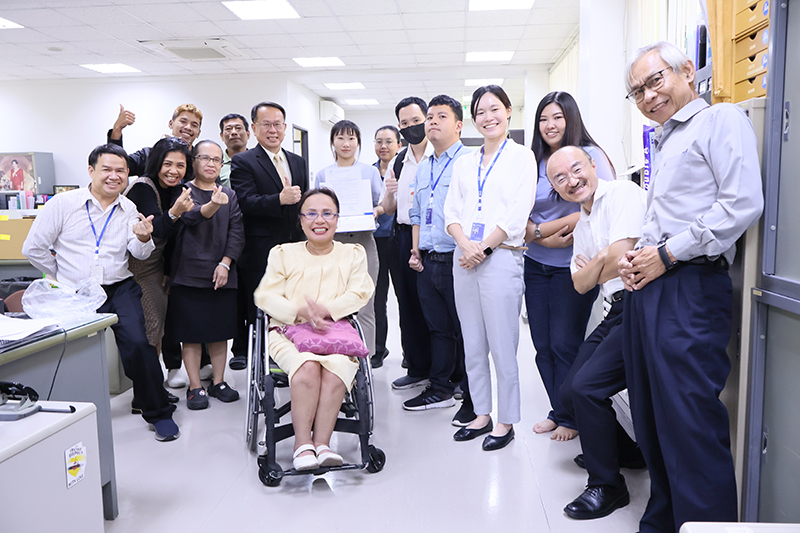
(340, 338)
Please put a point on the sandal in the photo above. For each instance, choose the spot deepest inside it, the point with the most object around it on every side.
(328, 457)
(306, 462)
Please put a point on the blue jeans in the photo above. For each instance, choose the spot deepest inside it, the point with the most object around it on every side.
(557, 316)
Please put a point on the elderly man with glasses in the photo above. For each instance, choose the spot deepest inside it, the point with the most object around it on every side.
(705, 192)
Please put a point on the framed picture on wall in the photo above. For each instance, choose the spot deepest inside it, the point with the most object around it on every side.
(27, 171)
(64, 188)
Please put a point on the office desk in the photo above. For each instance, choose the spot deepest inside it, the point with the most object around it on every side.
(33, 467)
(82, 377)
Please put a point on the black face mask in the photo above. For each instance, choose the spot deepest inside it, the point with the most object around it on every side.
(414, 134)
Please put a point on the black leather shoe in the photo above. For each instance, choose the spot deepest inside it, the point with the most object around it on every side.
(377, 359)
(238, 362)
(466, 433)
(491, 442)
(597, 502)
(634, 463)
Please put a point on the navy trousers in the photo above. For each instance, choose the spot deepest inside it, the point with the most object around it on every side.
(139, 357)
(597, 374)
(437, 297)
(414, 334)
(675, 332)
(557, 317)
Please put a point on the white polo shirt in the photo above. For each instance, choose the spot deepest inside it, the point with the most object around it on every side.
(406, 181)
(617, 213)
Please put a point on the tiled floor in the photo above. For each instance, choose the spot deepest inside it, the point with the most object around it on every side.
(207, 480)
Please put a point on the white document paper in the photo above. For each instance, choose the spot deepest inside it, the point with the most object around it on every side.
(355, 199)
(12, 329)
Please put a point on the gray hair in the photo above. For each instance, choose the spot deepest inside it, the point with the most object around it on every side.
(671, 54)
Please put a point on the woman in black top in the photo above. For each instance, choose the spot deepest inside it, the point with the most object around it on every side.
(159, 193)
(202, 306)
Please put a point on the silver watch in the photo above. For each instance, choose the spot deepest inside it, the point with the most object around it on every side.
(537, 233)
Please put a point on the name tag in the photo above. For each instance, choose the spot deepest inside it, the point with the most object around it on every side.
(477, 232)
(411, 194)
(96, 274)
(429, 216)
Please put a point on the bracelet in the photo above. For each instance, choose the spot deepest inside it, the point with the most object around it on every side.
(664, 255)
(171, 216)
(226, 266)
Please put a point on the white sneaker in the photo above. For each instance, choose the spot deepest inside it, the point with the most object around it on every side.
(206, 373)
(177, 379)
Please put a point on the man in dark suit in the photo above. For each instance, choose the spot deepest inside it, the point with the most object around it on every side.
(268, 182)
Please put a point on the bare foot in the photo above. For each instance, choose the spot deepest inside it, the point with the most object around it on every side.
(563, 434)
(544, 426)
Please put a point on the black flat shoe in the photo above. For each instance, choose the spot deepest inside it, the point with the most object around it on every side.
(491, 442)
(466, 433)
(634, 463)
(597, 502)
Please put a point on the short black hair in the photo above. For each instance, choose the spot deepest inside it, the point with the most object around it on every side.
(159, 152)
(113, 149)
(254, 111)
(495, 90)
(233, 116)
(322, 190)
(346, 126)
(410, 100)
(450, 102)
(393, 129)
(15, 161)
(201, 143)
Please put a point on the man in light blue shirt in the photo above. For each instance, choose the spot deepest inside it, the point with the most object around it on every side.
(705, 192)
(432, 257)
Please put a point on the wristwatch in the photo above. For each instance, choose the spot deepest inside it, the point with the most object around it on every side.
(537, 233)
(487, 251)
(171, 216)
(664, 255)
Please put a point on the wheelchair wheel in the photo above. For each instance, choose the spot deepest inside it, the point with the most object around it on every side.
(270, 476)
(255, 376)
(377, 460)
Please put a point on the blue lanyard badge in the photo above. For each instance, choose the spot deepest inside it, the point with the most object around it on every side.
(481, 183)
(429, 211)
(102, 232)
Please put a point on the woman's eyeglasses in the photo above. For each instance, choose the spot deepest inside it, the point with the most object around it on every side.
(311, 216)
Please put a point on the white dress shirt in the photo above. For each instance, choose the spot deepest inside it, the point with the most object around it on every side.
(406, 181)
(63, 225)
(508, 194)
(617, 213)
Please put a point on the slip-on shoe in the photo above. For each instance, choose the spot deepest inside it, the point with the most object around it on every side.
(466, 433)
(597, 502)
(491, 442)
(306, 462)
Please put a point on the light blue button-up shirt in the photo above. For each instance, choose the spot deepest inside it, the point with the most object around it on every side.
(706, 188)
(433, 237)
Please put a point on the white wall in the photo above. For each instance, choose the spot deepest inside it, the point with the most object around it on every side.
(303, 111)
(69, 118)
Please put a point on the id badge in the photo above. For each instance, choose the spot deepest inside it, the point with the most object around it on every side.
(477, 232)
(411, 194)
(96, 274)
(429, 216)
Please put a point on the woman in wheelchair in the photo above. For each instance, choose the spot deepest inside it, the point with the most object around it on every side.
(316, 281)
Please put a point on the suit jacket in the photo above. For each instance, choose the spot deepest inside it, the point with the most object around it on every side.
(258, 187)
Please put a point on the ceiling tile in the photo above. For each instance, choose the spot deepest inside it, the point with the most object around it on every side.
(165, 12)
(99, 16)
(214, 11)
(328, 38)
(439, 48)
(140, 32)
(386, 38)
(435, 35)
(549, 31)
(107, 47)
(363, 7)
(425, 20)
(558, 15)
(426, 6)
(534, 56)
(268, 41)
(12, 50)
(38, 18)
(372, 22)
(22, 35)
(250, 27)
(75, 33)
(311, 8)
(494, 32)
(191, 30)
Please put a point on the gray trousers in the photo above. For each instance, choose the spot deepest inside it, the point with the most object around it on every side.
(488, 300)
(366, 316)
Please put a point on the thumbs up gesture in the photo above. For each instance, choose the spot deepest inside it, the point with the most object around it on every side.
(391, 183)
(290, 194)
(125, 119)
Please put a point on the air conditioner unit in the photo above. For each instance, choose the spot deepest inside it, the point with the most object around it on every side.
(329, 112)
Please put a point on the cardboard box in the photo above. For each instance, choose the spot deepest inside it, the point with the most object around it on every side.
(750, 67)
(751, 44)
(12, 235)
(751, 18)
(750, 88)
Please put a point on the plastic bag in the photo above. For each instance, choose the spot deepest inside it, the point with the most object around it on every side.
(48, 298)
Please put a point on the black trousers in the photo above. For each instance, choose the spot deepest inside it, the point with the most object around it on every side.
(388, 266)
(250, 270)
(675, 333)
(139, 357)
(414, 334)
(597, 374)
(437, 297)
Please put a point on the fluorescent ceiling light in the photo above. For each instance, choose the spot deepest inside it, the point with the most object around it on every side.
(489, 56)
(111, 68)
(262, 10)
(481, 83)
(367, 101)
(318, 61)
(345, 86)
(497, 5)
(8, 25)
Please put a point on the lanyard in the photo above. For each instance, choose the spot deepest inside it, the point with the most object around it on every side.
(482, 183)
(102, 232)
(434, 184)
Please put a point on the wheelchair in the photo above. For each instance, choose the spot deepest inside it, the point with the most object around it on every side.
(262, 380)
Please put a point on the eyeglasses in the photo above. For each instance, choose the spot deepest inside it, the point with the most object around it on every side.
(277, 126)
(654, 82)
(205, 159)
(311, 216)
(387, 142)
(561, 178)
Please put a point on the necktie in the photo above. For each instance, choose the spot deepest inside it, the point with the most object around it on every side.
(281, 172)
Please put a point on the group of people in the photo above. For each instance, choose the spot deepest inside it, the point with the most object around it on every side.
(464, 235)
